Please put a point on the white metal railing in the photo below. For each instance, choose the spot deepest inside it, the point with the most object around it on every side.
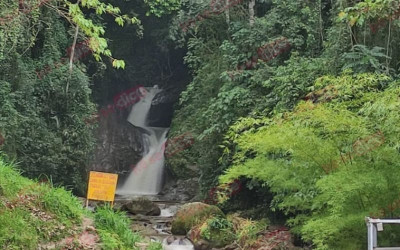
(375, 225)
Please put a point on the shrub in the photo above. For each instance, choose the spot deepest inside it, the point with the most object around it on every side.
(311, 159)
(218, 230)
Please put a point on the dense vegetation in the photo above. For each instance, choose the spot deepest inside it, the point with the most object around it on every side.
(297, 99)
(311, 131)
(55, 61)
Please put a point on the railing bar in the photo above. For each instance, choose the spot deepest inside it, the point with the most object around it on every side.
(372, 232)
(375, 221)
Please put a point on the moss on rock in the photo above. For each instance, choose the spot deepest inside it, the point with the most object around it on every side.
(192, 214)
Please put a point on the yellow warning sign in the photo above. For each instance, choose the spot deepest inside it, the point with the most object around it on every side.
(102, 186)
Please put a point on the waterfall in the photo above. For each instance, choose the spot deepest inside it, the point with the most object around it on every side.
(146, 177)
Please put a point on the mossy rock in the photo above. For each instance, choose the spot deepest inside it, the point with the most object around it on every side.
(179, 167)
(192, 214)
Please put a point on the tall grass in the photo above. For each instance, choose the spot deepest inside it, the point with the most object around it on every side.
(115, 232)
(32, 213)
(114, 229)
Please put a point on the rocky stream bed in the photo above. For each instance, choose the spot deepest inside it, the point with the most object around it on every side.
(152, 218)
(177, 220)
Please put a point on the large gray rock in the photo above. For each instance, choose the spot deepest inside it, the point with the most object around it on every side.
(182, 190)
(142, 206)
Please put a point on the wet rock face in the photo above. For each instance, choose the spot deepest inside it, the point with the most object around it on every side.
(161, 111)
(162, 108)
(182, 190)
(119, 144)
(142, 206)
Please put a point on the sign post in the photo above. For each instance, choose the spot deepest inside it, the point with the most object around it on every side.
(101, 187)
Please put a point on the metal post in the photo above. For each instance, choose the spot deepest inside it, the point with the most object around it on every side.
(369, 234)
(374, 235)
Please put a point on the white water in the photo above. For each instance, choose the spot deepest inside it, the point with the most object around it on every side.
(146, 177)
(177, 244)
(169, 211)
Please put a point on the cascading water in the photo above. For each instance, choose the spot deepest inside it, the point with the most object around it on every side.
(146, 177)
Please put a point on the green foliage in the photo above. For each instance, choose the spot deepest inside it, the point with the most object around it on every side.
(316, 126)
(33, 213)
(63, 203)
(193, 214)
(17, 230)
(72, 12)
(363, 59)
(310, 160)
(43, 120)
(154, 246)
(301, 24)
(372, 24)
(289, 83)
(114, 229)
(214, 100)
(97, 43)
(221, 231)
(162, 7)
(246, 230)
(369, 10)
(217, 230)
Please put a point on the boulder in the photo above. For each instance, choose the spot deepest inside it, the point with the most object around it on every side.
(192, 214)
(142, 206)
(182, 190)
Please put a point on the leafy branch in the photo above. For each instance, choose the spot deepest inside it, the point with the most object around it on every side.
(97, 43)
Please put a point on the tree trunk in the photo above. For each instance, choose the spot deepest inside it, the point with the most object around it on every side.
(227, 12)
(252, 3)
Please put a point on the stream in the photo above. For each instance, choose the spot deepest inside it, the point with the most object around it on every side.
(158, 228)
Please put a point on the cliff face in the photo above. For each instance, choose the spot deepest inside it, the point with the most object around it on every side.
(150, 60)
(119, 143)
